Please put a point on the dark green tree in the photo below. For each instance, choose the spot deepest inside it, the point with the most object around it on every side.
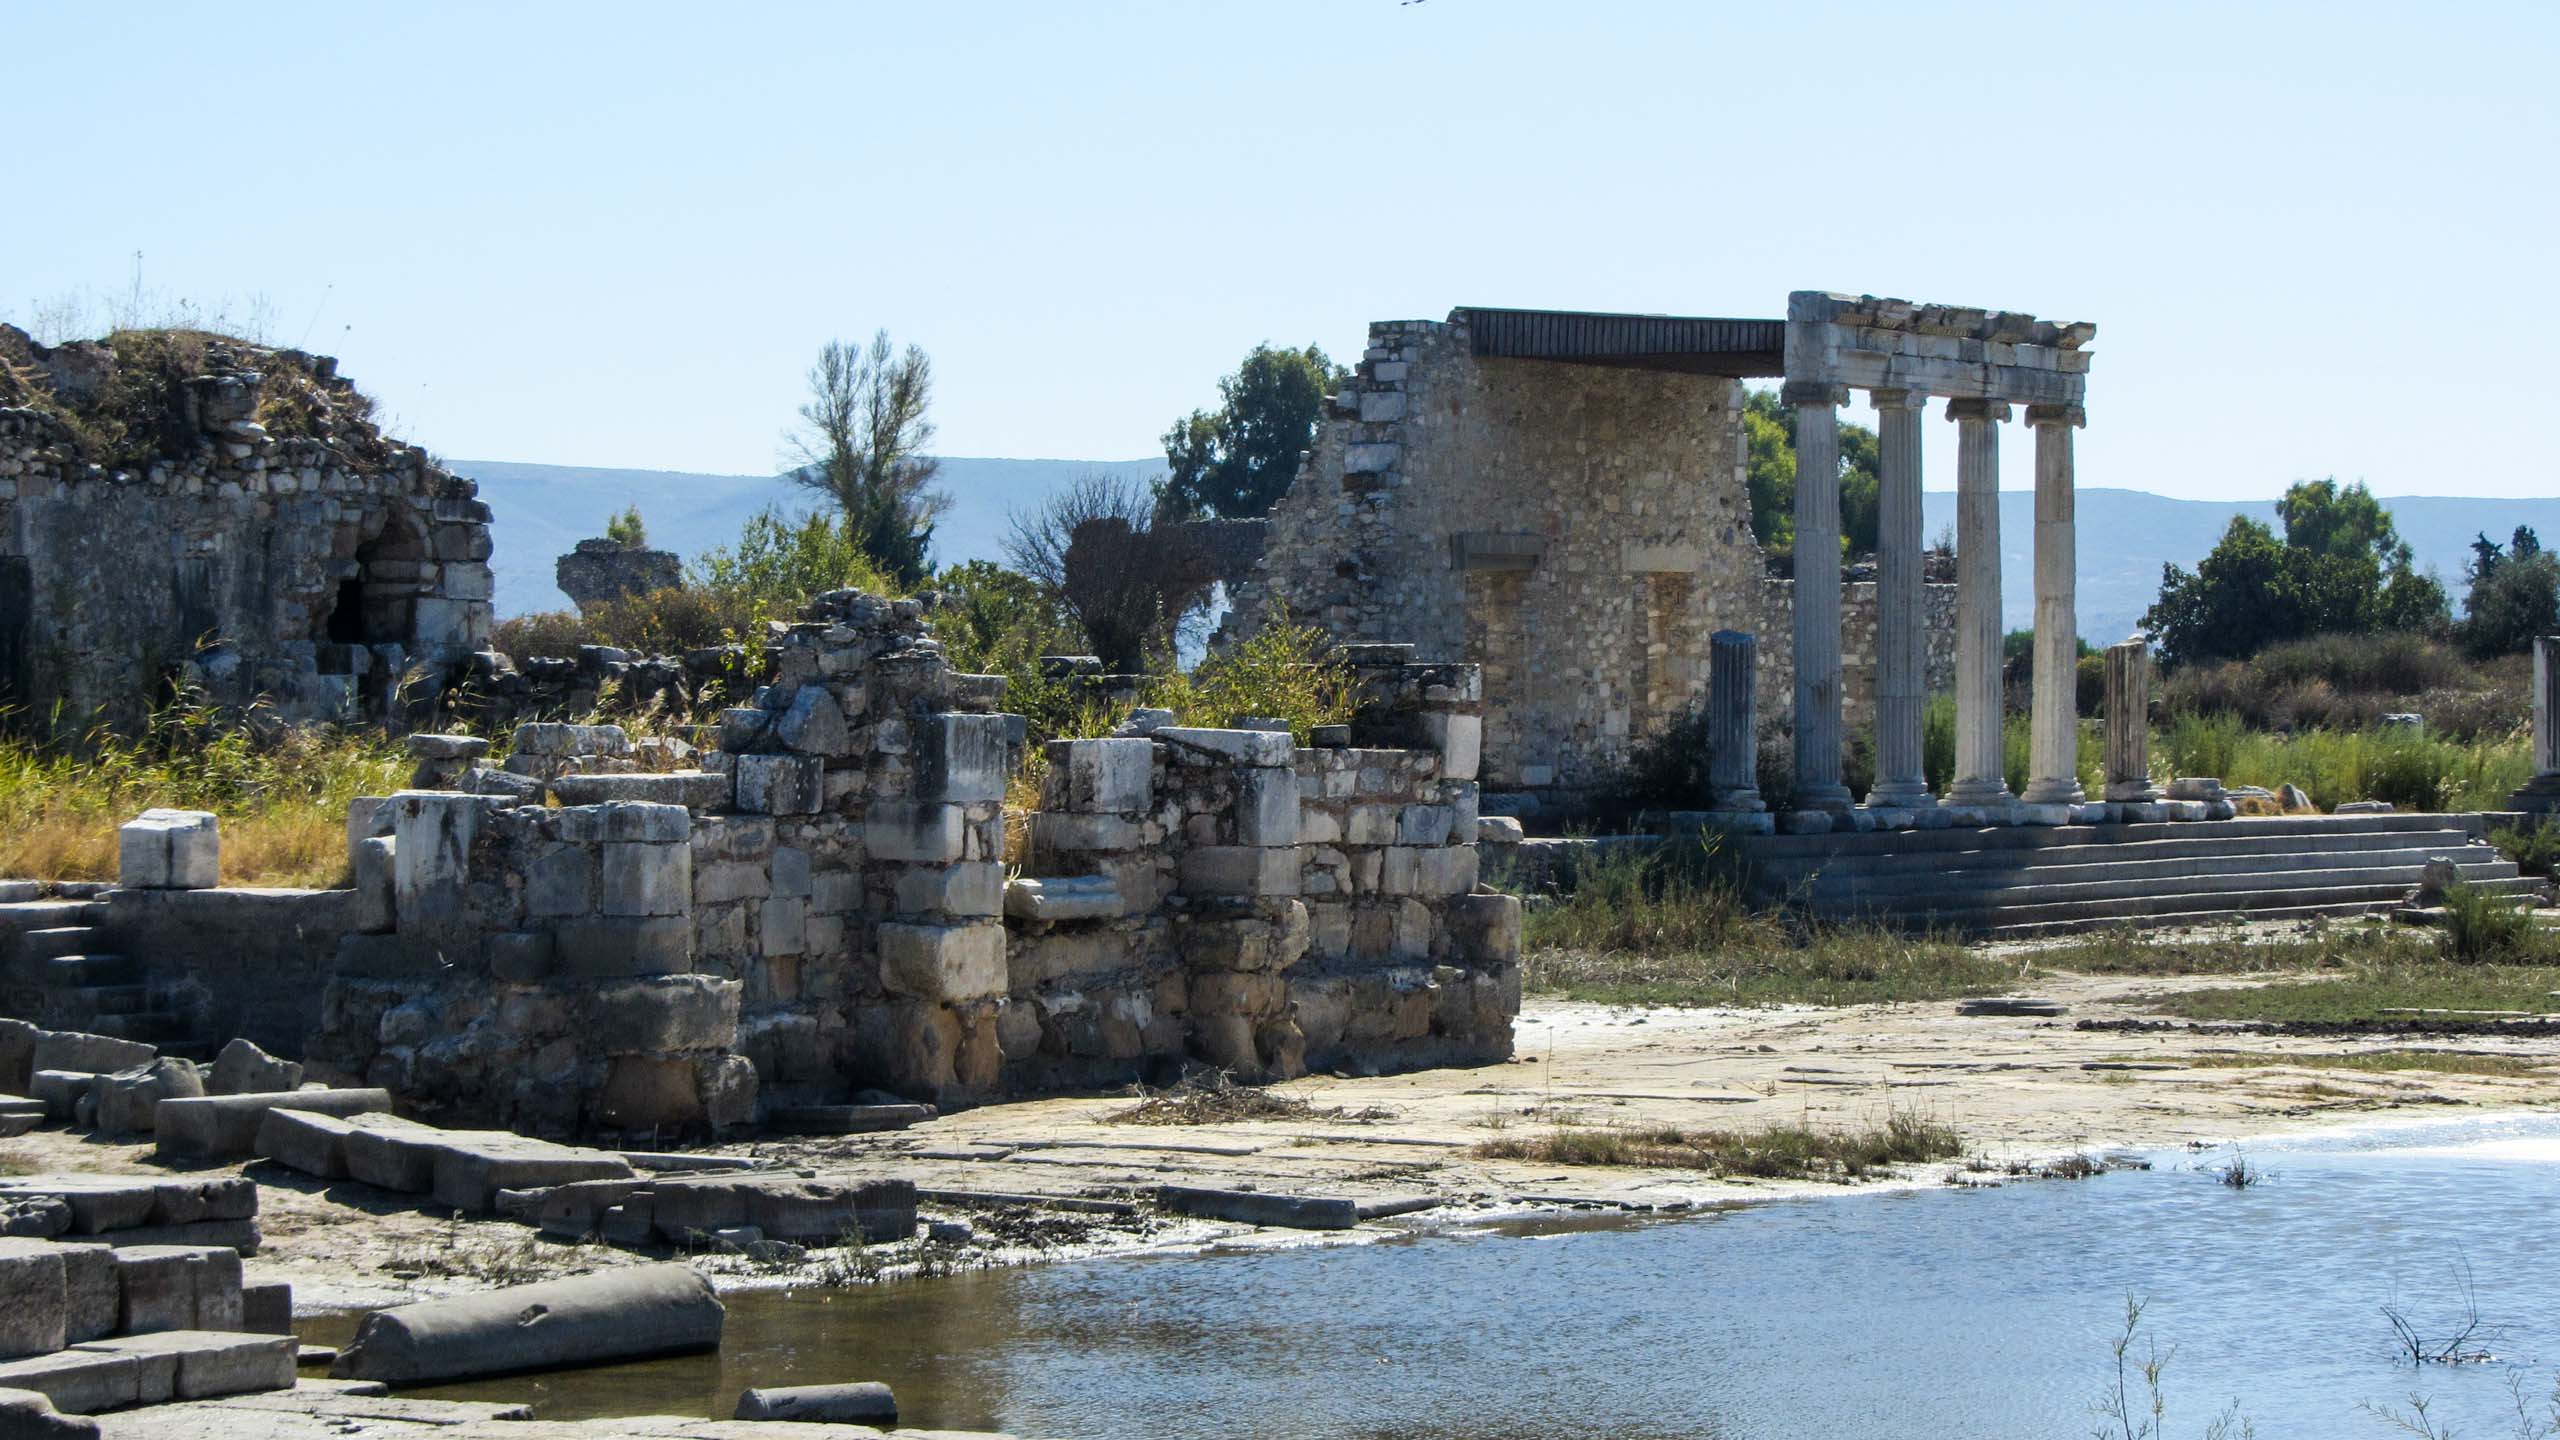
(2514, 595)
(2341, 569)
(1769, 439)
(2324, 519)
(1237, 461)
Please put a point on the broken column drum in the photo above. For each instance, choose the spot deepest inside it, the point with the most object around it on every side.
(2128, 704)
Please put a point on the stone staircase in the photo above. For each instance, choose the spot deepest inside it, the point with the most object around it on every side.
(63, 976)
(2021, 881)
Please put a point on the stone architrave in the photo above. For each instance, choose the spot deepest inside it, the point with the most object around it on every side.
(2053, 768)
(1733, 659)
(1980, 781)
(2128, 702)
(2541, 794)
(1902, 642)
(1817, 596)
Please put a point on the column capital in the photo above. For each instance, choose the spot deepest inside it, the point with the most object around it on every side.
(1898, 399)
(1992, 410)
(2071, 415)
(1813, 392)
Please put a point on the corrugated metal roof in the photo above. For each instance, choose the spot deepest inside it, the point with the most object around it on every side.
(1697, 344)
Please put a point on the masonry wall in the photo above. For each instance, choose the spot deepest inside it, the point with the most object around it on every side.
(247, 564)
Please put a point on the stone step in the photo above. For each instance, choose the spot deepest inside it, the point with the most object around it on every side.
(1859, 882)
(2018, 921)
(1941, 859)
(56, 940)
(86, 968)
(130, 1370)
(1764, 848)
(1957, 898)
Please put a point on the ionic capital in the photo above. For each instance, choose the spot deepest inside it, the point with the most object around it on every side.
(1992, 410)
(1898, 399)
(1798, 394)
(2071, 415)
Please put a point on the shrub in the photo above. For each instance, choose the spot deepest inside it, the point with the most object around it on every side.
(2535, 847)
(657, 622)
(2481, 928)
(1287, 671)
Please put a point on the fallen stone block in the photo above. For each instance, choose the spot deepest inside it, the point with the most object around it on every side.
(129, 1100)
(61, 1091)
(33, 1301)
(239, 1236)
(784, 1207)
(469, 1174)
(863, 1403)
(311, 1142)
(98, 1203)
(28, 1415)
(178, 1287)
(34, 1217)
(1249, 1207)
(203, 1364)
(844, 1119)
(587, 1320)
(573, 1211)
(169, 850)
(225, 1127)
(244, 1069)
(266, 1308)
(2025, 1005)
(79, 1381)
(398, 1157)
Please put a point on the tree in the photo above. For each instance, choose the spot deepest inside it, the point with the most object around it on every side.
(2341, 569)
(2320, 517)
(995, 621)
(781, 560)
(1769, 441)
(861, 443)
(2514, 595)
(1237, 461)
(1107, 553)
(628, 529)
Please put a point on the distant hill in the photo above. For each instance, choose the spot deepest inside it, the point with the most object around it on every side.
(2125, 535)
(541, 512)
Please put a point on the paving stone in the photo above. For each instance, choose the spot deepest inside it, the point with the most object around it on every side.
(201, 1364)
(469, 1174)
(78, 1381)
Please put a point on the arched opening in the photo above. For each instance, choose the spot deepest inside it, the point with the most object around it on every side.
(377, 605)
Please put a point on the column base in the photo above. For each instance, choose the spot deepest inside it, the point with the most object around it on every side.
(2133, 792)
(1980, 794)
(2029, 812)
(1736, 802)
(2053, 791)
(1901, 795)
(1980, 817)
(1833, 798)
(1754, 821)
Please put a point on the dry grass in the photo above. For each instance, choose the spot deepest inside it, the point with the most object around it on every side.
(2380, 1062)
(1217, 1100)
(1777, 1152)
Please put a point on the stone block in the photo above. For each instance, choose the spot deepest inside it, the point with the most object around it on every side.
(244, 1069)
(1424, 824)
(34, 1303)
(1267, 807)
(902, 830)
(726, 880)
(1101, 776)
(93, 1296)
(642, 880)
(1240, 869)
(780, 784)
(1060, 898)
(87, 1054)
(1057, 833)
(266, 1308)
(1485, 929)
(396, 1155)
(79, 1381)
(470, 1171)
(1458, 738)
(782, 926)
(30, 1415)
(973, 889)
(63, 1093)
(614, 945)
(129, 1100)
(1428, 870)
(1371, 824)
(169, 850)
(676, 1012)
(204, 1362)
(962, 759)
(177, 1287)
(865, 1403)
(519, 957)
(943, 962)
(814, 724)
(374, 866)
(1238, 747)
(790, 872)
(225, 1127)
(433, 833)
(686, 789)
(306, 1141)
(553, 738)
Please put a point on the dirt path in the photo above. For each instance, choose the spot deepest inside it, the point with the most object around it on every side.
(2013, 1089)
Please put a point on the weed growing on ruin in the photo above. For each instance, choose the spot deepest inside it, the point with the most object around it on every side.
(2484, 928)
(1285, 671)
(1776, 1152)
(1215, 1099)
(457, 1253)
(2534, 848)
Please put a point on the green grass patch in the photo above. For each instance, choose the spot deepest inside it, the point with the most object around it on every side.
(2368, 991)
(1778, 1152)
(2378, 1062)
(2125, 952)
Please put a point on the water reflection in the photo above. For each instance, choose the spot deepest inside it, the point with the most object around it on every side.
(1930, 1313)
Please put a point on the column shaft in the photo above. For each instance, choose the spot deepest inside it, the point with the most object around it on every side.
(1981, 778)
(2546, 704)
(1733, 753)
(2054, 760)
(1817, 597)
(1902, 632)
(2128, 699)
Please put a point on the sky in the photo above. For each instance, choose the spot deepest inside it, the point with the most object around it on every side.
(2316, 239)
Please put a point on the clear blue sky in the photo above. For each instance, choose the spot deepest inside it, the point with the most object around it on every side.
(2316, 239)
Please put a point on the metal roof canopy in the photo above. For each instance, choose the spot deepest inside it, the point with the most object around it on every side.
(1693, 345)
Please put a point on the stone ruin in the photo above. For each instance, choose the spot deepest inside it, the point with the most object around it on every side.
(603, 570)
(330, 572)
(831, 903)
(1562, 500)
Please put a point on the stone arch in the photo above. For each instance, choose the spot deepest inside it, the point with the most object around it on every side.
(377, 604)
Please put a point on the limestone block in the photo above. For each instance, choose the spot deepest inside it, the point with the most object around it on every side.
(449, 625)
(943, 962)
(169, 850)
(1267, 807)
(560, 879)
(780, 784)
(266, 1308)
(78, 1382)
(433, 831)
(728, 1085)
(610, 945)
(178, 1287)
(905, 830)
(1485, 929)
(835, 892)
(1371, 824)
(1240, 747)
(129, 1100)
(1053, 832)
(727, 880)
(814, 724)
(865, 1403)
(1428, 870)
(1057, 898)
(470, 1171)
(93, 1298)
(203, 1363)
(1424, 824)
(225, 1127)
(376, 868)
(63, 1093)
(974, 889)
(518, 957)
(620, 1314)
(1499, 830)
(963, 759)
(87, 1054)
(1240, 869)
(1458, 738)
(551, 738)
(790, 872)
(647, 879)
(668, 1013)
(31, 1415)
(34, 1302)
(742, 728)
(782, 926)
(691, 789)
(1101, 776)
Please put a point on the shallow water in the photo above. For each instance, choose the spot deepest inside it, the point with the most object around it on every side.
(1931, 1313)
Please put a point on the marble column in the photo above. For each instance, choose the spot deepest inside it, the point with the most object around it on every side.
(1981, 780)
(1733, 737)
(2053, 769)
(1817, 595)
(2541, 794)
(2128, 700)
(1902, 634)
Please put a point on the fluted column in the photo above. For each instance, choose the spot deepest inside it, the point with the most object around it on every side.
(2546, 706)
(1902, 634)
(1817, 595)
(1733, 743)
(2128, 697)
(2053, 770)
(1981, 769)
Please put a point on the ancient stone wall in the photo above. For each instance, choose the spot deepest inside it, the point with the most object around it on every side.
(1577, 531)
(602, 570)
(824, 906)
(314, 573)
(1776, 666)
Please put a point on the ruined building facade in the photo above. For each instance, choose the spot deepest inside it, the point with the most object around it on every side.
(314, 571)
(1576, 529)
